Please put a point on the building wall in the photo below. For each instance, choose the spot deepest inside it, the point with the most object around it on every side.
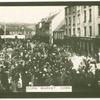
(97, 20)
(88, 23)
(43, 30)
(58, 35)
(77, 17)
(48, 27)
(78, 24)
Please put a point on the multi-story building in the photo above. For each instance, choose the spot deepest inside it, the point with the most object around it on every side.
(83, 28)
(14, 29)
(43, 30)
(59, 33)
(58, 28)
(51, 29)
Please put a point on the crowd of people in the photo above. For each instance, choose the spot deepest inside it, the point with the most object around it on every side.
(33, 63)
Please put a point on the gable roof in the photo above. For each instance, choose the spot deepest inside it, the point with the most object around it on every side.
(58, 21)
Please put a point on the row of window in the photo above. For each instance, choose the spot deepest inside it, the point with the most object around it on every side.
(90, 15)
(68, 21)
(68, 31)
(90, 31)
(72, 9)
(85, 15)
(59, 35)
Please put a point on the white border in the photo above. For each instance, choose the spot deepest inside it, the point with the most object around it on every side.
(48, 1)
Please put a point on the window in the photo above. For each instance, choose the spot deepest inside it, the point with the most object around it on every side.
(65, 11)
(84, 31)
(78, 22)
(79, 31)
(90, 28)
(73, 31)
(46, 26)
(69, 10)
(66, 22)
(69, 32)
(84, 15)
(99, 10)
(69, 21)
(73, 20)
(98, 29)
(90, 15)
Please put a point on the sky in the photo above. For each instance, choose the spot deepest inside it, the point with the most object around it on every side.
(26, 14)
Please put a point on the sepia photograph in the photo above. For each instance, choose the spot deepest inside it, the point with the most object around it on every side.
(49, 49)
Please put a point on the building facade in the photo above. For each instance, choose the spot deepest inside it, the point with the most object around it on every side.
(52, 28)
(59, 33)
(42, 30)
(16, 29)
(83, 28)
